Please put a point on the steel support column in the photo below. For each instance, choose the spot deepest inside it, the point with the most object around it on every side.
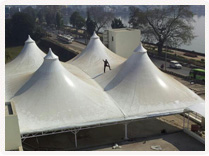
(75, 133)
(184, 121)
(188, 122)
(37, 141)
(126, 131)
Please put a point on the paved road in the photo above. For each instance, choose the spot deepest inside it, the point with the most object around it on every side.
(184, 71)
(79, 47)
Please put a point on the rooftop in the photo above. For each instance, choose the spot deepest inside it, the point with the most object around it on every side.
(123, 30)
(8, 109)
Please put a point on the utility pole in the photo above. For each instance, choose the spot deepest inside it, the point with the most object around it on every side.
(166, 49)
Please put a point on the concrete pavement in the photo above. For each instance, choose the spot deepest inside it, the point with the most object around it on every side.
(171, 142)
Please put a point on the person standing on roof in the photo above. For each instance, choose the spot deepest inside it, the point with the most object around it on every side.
(106, 64)
(162, 66)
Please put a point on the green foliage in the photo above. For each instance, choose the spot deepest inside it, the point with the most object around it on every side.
(21, 26)
(31, 12)
(8, 32)
(49, 17)
(59, 20)
(178, 58)
(77, 20)
(202, 60)
(49, 12)
(41, 16)
(117, 23)
(167, 25)
(12, 52)
(38, 34)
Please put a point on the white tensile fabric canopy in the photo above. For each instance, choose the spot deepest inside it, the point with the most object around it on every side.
(55, 99)
(81, 74)
(29, 59)
(50, 95)
(90, 60)
(141, 89)
(19, 70)
(198, 108)
(13, 83)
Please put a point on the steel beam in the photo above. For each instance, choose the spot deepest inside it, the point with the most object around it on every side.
(126, 131)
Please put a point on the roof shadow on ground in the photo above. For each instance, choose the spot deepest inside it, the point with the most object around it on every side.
(102, 137)
(184, 142)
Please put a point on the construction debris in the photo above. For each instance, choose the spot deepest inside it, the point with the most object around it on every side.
(156, 147)
(116, 147)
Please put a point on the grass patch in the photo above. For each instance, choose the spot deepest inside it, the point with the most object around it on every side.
(12, 52)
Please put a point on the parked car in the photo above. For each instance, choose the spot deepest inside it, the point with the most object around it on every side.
(175, 64)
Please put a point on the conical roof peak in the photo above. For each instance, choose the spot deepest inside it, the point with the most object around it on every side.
(51, 55)
(29, 40)
(140, 49)
(94, 36)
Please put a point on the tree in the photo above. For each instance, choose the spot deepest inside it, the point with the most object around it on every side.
(40, 14)
(49, 16)
(100, 17)
(168, 25)
(50, 13)
(22, 26)
(59, 20)
(117, 23)
(13, 10)
(90, 25)
(38, 33)
(8, 32)
(31, 12)
(77, 20)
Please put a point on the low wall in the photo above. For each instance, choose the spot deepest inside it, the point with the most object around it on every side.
(197, 137)
(183, 50)
(187, 78)
(64, 54)
(185, 62)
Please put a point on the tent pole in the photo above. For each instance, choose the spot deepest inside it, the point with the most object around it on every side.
(126, 131)
(184, 121)
(76, 145)
(76, 141)
(37, 141)
(188, 122)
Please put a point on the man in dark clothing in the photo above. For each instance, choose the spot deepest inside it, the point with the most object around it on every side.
(106, 64)
(162, 66)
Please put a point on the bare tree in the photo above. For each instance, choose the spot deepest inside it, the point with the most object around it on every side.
(101, 17)
(170, 25)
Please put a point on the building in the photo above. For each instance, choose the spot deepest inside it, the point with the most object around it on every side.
(122, 41)
(12, 131)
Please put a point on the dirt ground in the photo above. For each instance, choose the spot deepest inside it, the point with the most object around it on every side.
(199, 89)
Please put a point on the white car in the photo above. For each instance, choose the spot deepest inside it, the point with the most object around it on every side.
(175, 64)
